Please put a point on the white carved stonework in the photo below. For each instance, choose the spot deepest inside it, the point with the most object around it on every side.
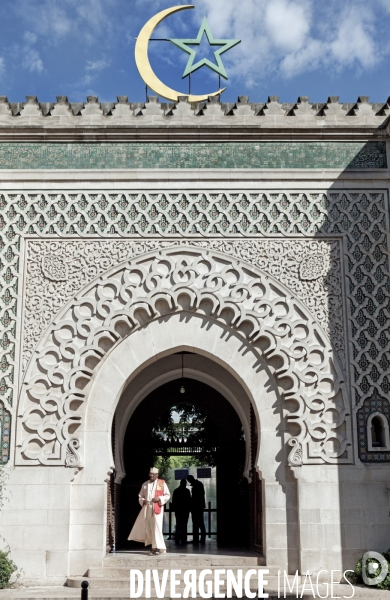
(313, 267)
(56, 270)
(295, 456)
(72, 456)
(253, 301)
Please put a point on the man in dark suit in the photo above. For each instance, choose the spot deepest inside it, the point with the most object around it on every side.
(181, 501)
(198, 504)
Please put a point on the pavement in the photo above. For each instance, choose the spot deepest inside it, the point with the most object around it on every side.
(64, 593)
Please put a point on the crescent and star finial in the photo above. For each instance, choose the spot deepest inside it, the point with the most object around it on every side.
(151, 79)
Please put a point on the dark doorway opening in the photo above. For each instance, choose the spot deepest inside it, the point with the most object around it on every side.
(216, 440)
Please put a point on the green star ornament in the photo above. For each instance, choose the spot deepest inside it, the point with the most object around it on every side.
(185, 45)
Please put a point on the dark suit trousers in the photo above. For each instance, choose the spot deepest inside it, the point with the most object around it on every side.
(181, 527)
(198, 524)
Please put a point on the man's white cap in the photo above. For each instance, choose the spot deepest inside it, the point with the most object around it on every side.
(153, 470)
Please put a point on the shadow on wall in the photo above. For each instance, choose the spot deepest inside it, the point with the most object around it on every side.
(354, 272)
(344, 281)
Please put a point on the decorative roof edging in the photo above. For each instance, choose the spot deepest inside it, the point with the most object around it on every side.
(271, 113)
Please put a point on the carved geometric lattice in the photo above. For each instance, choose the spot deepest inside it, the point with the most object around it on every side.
(255, 305)
(361, 218)
(5, 432)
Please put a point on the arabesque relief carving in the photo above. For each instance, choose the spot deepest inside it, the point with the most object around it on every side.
(242, 297)
(57, 269)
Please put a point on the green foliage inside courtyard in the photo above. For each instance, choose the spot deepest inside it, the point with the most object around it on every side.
(189, 426)
(164, 463)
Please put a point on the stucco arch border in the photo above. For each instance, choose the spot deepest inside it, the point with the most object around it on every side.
(168, 281)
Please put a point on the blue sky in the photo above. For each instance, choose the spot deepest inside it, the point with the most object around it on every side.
(289, 48)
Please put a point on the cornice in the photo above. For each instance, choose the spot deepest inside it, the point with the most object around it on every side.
(202, 133)
(114, 179)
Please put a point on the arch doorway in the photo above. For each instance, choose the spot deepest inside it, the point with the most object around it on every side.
(215, 437)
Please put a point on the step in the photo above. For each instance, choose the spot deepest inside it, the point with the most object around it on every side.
(115, 583)
(122, 572)
(138, 561)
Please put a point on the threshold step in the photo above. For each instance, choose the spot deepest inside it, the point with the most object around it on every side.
(173, 561)
(121, 571)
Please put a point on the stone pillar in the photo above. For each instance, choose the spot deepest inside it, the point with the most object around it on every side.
(319, 518)
(34, 522)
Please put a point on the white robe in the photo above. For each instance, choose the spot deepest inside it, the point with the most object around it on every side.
(148, 527)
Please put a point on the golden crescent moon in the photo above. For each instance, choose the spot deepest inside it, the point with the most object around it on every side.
(144, 66)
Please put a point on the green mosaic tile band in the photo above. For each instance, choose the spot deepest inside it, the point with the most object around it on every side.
(210, 155)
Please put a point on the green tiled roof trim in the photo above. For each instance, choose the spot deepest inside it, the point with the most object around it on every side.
(207, 155)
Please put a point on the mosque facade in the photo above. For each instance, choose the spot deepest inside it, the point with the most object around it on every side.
(251, 236)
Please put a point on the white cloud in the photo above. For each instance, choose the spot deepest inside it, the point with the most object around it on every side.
(2, 66)
(47, 18)
(30, 57)
(32, 61)
(82, 87)
(95, 14)
(288, 23)
(97, 65)
(355, 39)
(30, 37)
(385, 5)
(290, 37)
(56, 20)
(348, 41)
(307, 58)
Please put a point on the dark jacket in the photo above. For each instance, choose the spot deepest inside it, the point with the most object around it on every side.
(198, 501)
(181, 500)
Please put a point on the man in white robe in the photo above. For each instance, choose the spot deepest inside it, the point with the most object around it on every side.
(148, 527)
